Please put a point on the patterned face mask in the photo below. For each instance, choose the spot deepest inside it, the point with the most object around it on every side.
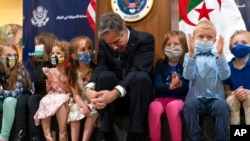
(9, 61)
(55, 59)
(173, 53)
(85, 58)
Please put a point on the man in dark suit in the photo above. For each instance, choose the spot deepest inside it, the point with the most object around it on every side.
(123, 71)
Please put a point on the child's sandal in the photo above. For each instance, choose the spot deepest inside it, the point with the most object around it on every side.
(49, 137)
(63, 136)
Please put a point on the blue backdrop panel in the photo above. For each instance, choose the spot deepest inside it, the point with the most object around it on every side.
(65, 18)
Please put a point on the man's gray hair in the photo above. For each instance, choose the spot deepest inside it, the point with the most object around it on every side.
(111, 21)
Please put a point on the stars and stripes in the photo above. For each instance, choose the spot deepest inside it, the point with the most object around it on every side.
(91, 14)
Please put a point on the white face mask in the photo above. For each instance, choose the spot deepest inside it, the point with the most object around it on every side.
(203, 47)
(173, 53)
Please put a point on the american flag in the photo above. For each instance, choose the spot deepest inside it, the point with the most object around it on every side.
(91, 14)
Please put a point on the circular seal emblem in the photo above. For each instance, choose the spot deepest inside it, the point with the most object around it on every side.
(132, 10)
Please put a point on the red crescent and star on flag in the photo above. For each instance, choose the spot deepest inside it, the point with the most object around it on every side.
(204, 11)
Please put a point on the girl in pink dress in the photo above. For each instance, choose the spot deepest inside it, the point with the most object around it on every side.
(56, 100)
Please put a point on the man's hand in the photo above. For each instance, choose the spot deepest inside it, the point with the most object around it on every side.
(104, 97)
(90, 93)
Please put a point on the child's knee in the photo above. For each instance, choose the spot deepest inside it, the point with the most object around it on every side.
(233, 102)
(246, 103)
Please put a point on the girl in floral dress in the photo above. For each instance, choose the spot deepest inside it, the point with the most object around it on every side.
(56, 100)
(82, 65)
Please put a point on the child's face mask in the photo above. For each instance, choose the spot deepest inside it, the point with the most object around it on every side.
(85, 58)
(55, 59)
(240, 50)
(173, 53)
(203, 47)
(39, 50)
(9, 61)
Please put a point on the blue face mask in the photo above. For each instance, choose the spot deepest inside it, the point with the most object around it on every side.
(39, 50)
(85, 58)
(203, 47)
(240, 50)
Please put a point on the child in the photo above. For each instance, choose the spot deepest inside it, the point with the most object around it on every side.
(171, 88)
(205, 71)
(43, 46)
(55, 101)
(237, 86)
(14, 79)
(82, 66)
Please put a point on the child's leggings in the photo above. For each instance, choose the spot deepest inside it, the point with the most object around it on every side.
(7, 106)
(173, 108)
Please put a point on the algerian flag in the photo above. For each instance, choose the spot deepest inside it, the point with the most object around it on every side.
(223, 13)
